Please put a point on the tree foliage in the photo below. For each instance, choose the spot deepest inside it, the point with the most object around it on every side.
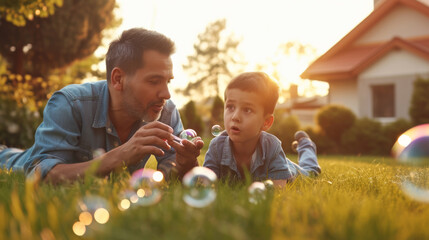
(44, 44)
(18, 12)
(419, 107)
(213, 61)
(190, 118)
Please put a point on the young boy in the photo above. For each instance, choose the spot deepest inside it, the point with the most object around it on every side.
(250, 99)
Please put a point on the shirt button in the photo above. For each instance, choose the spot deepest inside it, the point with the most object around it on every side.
(109, 130)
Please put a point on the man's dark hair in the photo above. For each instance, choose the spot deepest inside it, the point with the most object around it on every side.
(126, 52)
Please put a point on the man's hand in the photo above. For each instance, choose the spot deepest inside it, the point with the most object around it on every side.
(149, 139)
(187, 153)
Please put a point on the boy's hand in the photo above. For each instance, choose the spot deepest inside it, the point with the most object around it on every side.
(187, 153)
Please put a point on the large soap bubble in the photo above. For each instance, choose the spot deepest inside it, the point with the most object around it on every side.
(199, 187)
(188, 134)
(412, 149)
(146, 184)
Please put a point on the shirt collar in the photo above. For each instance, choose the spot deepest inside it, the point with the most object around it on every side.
(102, 111)
(258, 157)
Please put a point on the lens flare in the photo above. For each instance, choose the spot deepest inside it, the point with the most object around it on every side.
(91, 208)
(199, 185)
(412, 149)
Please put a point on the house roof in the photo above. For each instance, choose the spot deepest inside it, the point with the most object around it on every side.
(345, 61)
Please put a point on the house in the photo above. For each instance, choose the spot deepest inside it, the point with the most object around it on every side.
(371, 70)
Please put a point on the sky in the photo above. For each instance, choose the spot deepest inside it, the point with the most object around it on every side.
(262, 25)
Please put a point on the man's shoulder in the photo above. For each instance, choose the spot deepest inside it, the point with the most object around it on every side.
(84, 91)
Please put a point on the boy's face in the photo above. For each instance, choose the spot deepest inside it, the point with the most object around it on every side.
(244, 116)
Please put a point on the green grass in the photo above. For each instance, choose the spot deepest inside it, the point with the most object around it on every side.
(354, 198)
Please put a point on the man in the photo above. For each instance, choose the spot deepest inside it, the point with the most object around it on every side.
(129, 116)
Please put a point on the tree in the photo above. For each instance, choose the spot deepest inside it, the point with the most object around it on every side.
(18, 12)
(213, 61)
(217, 111)
(419, 107)
(43, 44)
(190, 118)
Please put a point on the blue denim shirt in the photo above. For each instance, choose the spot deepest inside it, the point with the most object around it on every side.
(269, 161)
(75, 123)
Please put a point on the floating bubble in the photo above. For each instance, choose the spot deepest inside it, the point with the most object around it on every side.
(98, 152)
(147, 186)
(199, 185)
(268, 184)
(412, 149)
(257, 192)
(216, 130)
(188, 134)
(93, 212)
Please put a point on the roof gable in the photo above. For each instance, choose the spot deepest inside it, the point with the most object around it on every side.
(349, 56)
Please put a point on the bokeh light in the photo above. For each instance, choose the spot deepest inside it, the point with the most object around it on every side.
(412, 150)
(91, 208)
(146, 184)
(199, 185)
(79, 228)
(216, 130)
(257, 192)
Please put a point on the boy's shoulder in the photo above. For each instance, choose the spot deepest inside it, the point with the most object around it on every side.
(269, 142)
(219, 140)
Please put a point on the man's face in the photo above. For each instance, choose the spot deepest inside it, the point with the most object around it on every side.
(146, 91)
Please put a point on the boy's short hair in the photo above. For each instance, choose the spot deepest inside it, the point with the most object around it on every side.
(127, 51)
(260, 83)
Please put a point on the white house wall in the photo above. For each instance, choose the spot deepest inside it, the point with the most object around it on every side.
(401, 22)
(345, 93)
(398, 67)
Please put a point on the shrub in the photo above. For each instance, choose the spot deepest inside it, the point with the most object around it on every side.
(334, 120)
(419, 107)
(393, 130)
(324, 144)
(284, 129)
(364, 137)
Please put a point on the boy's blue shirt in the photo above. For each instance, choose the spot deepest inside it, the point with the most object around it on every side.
(269, 161)
(75, 123)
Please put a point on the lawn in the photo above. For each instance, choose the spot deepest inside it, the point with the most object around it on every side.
(354, 198)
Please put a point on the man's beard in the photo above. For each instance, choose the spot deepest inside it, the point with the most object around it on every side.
(129, 103)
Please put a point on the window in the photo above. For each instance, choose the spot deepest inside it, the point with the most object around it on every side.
(383, 100)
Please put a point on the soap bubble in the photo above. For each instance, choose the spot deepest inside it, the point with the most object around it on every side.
(93, 213)
(257, 192)
(412, 149)
(147, 185)
(199, 187)
(269, 184)
(216, 130)
(188, 134)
